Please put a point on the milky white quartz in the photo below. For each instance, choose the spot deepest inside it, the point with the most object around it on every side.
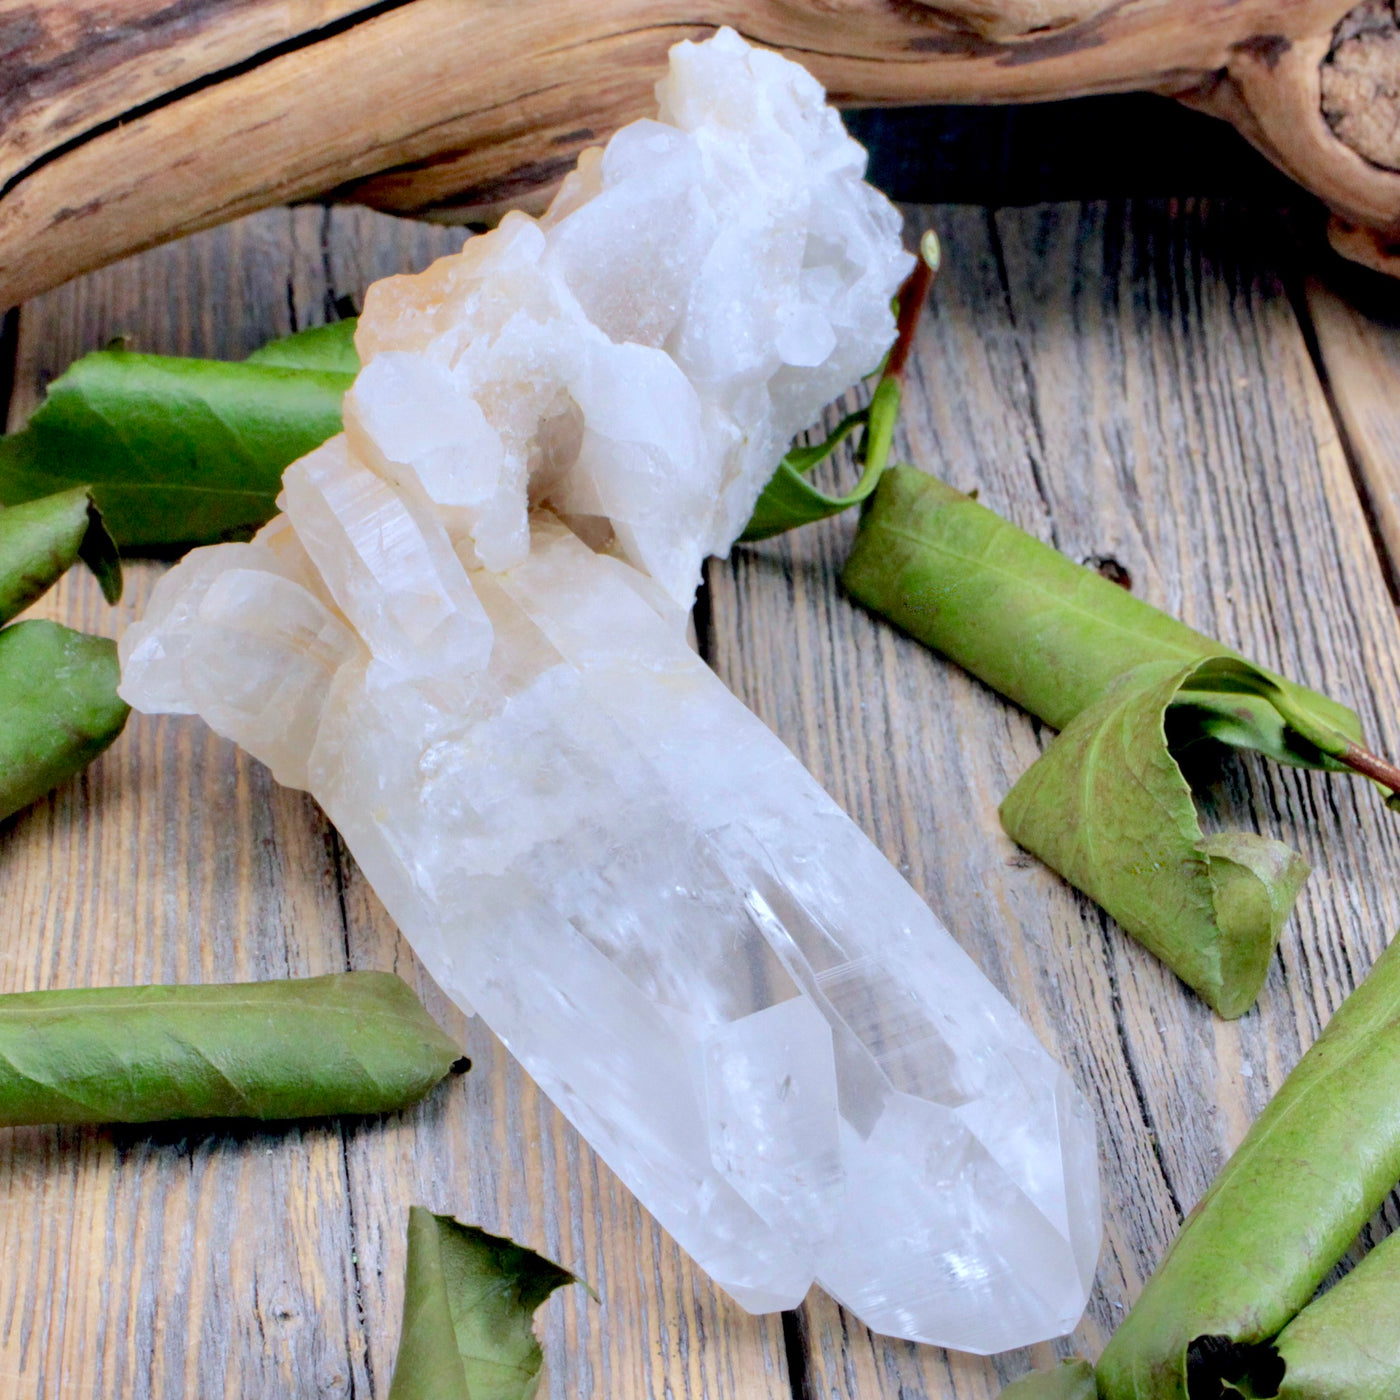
(465, 635)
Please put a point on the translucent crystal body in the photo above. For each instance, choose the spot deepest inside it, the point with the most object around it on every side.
(465, 636)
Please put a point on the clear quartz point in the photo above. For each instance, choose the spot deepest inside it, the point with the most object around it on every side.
(465, 635)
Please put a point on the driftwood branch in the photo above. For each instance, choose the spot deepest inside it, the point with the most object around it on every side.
(124, 123)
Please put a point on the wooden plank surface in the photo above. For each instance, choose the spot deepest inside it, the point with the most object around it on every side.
(1356, 320)
(1129, 382)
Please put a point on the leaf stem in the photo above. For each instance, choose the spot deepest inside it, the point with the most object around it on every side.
(789, 499)
(883, 414)
(1371, 766)
(912, 296)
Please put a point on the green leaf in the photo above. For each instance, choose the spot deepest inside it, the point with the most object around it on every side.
(790, 500)
(1072, 1380)
(1108, 808)
(1346, 1345)
(329, 347)
(1107, 805)
(1239, 704)
(41, 540)
(58, 707)
(1044, 631)
(1309, 1174)
(469, 1302)
(354, 1042)
(175, 451)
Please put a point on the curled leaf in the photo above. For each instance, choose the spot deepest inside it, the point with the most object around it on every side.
(1238, 704)
(58, 707)
(353, 1042)
(789, 499)
(1107, 806)
(468, 1310)
(1035, 626)
(1308, 1175)
(1346, 1345)
(41, 540)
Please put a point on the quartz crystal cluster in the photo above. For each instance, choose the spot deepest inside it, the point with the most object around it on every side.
(465, 634)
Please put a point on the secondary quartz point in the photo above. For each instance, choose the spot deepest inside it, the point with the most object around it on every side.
(465, 635)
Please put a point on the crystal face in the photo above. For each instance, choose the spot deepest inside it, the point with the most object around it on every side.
(465, 635)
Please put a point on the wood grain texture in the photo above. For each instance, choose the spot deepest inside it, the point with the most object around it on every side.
(1129, 383)
(1126, 382)
(131, 1265)
(172, 1264)
(461, 110)
(67, 69)
(1358, 343)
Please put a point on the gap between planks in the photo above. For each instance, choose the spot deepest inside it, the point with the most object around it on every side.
(1351, 318)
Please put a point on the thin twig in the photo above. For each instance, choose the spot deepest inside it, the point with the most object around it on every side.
(912, 296)
(1371, 766)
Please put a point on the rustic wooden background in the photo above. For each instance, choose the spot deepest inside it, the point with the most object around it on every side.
(1187, 388)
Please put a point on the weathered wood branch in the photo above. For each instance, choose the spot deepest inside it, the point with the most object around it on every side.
(130, 122)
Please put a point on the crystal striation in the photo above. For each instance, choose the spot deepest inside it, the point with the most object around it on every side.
(465, 635)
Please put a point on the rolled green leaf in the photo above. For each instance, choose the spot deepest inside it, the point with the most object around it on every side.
(41, 540)
(1346, 1345)
(1308, 1175)
(354, 1042)
(1107, 806)
(1035, 626)
(176, 451)
(1072, 1380)
(468, 1309)
(59, 707)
